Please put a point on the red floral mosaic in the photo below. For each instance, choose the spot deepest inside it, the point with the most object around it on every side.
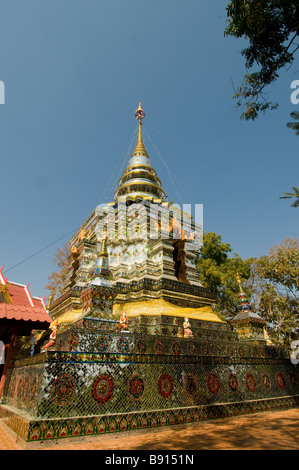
(102, 388)
(123, 345)
(63, 390)
(165, 385)
(74, 342)
(213, 383)
(250, 382)
(159, 347)
(176, 348)
(141, 346)
(102, 344)
(280, 380)
(232, 382)
(136, 386)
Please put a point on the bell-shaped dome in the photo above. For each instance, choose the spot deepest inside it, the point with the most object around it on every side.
(139, 179)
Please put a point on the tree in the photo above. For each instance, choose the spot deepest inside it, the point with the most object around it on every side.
(271, 283)
(218, 273)
(294, 194)
(58, 279)
(276, 290)
(272, 28)
(294, 125)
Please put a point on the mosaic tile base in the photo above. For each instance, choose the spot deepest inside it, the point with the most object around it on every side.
(46, 429)
(98, 380)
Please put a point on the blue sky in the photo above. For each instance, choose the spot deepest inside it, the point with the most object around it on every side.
(74, 72)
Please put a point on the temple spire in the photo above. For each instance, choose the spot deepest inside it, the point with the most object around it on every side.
(140, 148)
(139, 180)
(100, 275)
(103, 253)
(244, 305)
(247, 323)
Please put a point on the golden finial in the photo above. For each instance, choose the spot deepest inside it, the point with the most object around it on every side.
(140, 148)
(139, 113)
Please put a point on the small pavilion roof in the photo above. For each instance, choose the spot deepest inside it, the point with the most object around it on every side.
(25, 313)
(18, 306)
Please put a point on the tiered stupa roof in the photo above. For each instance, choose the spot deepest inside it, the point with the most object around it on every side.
(245, 310)
(139, 179)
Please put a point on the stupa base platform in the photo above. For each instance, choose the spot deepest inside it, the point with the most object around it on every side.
(31, 429)
(101, 380)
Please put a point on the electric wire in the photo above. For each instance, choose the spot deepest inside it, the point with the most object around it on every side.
(41, 250)
(112, 184)
(114, 177)
(163, 161)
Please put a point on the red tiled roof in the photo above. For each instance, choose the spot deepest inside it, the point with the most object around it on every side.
(38, 302)
(19, 294)
(23, 307)
(25, 313)
(2, 280)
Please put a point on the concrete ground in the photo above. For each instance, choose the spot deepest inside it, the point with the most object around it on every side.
(277, 430)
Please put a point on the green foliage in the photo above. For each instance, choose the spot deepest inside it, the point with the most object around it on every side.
(294, 194)
(294, 125)
(271, 283)
(218, 273)
(276, 288)
(271, 26)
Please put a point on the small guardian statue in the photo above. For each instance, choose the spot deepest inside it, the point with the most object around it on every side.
(50, 345)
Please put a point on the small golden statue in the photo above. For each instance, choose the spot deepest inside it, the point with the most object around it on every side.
(81, 235)
(180, 333)
(187, 329)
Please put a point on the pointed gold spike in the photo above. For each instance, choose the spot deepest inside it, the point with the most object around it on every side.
(140, 148)
(240, 283)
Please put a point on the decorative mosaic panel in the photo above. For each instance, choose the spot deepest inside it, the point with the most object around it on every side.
(44, 429)
(102, 380)
(80, 384)
(23, 385)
